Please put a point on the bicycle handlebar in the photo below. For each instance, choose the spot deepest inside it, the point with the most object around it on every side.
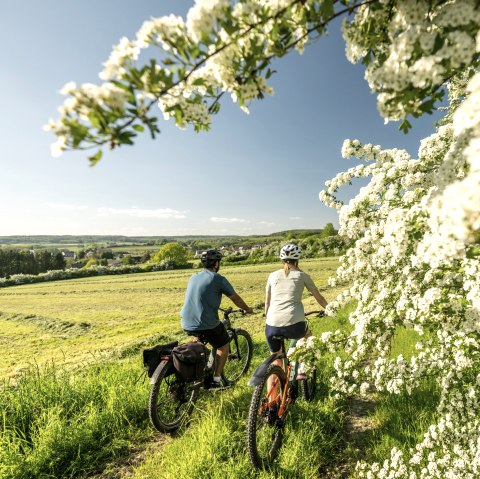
(230, 310)
(320, 314)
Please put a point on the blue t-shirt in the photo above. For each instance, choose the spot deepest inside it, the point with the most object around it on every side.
(202, 300)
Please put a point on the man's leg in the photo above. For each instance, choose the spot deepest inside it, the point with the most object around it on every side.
(221, 359)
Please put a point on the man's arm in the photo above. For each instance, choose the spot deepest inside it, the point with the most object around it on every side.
(238, 301)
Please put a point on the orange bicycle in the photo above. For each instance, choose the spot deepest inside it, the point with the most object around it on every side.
(276, 389)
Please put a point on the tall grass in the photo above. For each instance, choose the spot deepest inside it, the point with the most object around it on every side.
(56, 423)
(213, 447)
(402, 420)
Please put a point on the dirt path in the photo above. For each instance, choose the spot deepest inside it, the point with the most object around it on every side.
(358, 427)
(126, 467)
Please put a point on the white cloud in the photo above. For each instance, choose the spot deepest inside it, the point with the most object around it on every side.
(214, 219)
(295, 218)
(159, 213)
(66, 206)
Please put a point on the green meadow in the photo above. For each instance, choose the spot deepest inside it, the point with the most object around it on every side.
(73, 405)
(74, 321)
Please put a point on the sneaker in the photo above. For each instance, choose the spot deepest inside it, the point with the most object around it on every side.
(220, 385)
(301, 377)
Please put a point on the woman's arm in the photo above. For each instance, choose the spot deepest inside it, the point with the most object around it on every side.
(267, 301)
(320, 299)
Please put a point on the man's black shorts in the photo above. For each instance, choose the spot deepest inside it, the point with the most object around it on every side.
(217, 336)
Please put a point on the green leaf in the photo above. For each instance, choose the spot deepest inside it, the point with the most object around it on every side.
(138, 128)
(94, 159)
(125, 137)
(405, 126)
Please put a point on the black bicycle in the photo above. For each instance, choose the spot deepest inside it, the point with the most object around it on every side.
(276, 389)
(172, 399)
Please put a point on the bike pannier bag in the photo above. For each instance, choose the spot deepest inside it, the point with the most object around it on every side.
(189, 360)
(153, 356)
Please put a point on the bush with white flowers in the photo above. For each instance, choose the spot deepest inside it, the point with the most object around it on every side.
(415, 226)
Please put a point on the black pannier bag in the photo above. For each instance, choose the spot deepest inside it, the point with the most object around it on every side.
(153, 356)
(189, 360)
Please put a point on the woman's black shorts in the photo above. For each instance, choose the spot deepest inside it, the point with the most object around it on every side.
(293, 331)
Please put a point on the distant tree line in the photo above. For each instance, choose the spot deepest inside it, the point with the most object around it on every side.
(171, 255)
(14, 261)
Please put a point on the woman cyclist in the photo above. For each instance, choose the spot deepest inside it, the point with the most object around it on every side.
(283, 302)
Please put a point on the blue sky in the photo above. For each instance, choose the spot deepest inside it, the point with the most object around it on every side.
(250, 174)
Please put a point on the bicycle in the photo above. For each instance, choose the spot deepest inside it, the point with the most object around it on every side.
(276, 389)
(172, 399)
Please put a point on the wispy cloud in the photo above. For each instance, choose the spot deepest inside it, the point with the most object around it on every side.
(295, 218)
(214, 219)
(159, 213)
(66, 206)
(266, 223)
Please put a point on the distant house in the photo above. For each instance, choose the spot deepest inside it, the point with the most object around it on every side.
(69, 254)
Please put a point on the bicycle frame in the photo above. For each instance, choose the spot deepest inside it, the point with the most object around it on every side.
(290, 372)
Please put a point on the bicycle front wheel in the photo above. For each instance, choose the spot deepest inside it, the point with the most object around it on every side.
(309, 386)
(239, 356)
(171, 399)
(264, 426)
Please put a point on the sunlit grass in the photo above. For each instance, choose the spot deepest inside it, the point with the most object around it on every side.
(59, 424)
(86, 412)
(115, 311)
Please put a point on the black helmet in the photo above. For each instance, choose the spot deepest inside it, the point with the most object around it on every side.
(211, 255)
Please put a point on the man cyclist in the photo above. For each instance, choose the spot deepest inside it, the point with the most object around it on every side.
(200, 310)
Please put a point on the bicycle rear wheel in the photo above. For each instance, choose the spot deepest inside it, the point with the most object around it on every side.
(239, 357)
(171, 399)
(264, 427)
(309, 386)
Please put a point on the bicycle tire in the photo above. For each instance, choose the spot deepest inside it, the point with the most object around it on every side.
(171, 399)
(239, 356)
(309, 386)
(264, 427)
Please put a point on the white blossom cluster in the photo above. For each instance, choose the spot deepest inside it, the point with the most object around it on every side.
(422, 44)
(411, 268)
(82, 99)
(207, 60)
(415, 265)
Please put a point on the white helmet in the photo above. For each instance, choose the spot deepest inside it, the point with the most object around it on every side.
(290, 251)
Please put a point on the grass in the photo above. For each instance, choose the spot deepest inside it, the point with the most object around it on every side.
(59, 424)
(215, 442)
(76, 321)
(71, 405)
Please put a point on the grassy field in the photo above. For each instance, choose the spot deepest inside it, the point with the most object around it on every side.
(75, 321)
(80, 412)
